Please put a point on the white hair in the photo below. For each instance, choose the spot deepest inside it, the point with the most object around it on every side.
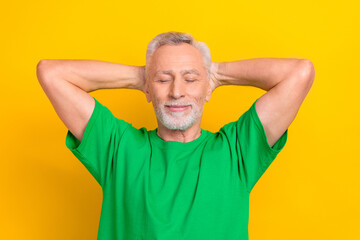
(177, 38)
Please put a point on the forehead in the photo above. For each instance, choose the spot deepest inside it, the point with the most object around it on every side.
(183, 58)
(182, 72)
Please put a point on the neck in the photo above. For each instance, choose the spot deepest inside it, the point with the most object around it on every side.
(187, 135)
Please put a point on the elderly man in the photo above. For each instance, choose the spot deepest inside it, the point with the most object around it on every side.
(177, 181)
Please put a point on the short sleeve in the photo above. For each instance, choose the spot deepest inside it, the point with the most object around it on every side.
(98, 147)
(253, 150)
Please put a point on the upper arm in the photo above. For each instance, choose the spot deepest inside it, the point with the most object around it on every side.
(73, 105)
(278, 107)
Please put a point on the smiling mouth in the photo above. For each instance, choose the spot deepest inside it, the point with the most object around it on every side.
(177, 108)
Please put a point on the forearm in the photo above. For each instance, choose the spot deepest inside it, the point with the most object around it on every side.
(263, 73)
(91, 75)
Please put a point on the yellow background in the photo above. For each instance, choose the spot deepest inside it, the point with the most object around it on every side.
(312, 189)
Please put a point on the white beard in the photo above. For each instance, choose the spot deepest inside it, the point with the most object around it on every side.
(177, 120)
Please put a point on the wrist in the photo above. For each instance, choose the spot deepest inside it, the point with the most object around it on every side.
(216, 77)
(141, 79)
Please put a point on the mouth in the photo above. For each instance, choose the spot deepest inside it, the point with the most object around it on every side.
(177, 108)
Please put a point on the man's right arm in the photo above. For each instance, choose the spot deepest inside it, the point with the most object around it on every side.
(67, 84)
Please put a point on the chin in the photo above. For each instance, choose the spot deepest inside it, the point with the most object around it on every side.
(177, 120)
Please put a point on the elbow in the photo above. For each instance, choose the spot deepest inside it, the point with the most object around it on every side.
(306, 70)
(43, 68)
(305, 73)
(40, 70)
(42, 64)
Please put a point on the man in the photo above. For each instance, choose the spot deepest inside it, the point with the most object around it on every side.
(177, 181)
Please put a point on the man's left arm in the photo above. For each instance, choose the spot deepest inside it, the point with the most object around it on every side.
(286, 80)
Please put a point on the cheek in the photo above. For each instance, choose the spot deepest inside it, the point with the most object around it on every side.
(200, 100)
(198, 94)
(158, 94)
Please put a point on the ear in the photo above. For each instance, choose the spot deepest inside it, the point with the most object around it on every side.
(147, 92)
(208, 94)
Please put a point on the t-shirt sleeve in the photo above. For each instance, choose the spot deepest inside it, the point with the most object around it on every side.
(98, 147)
(253, 150)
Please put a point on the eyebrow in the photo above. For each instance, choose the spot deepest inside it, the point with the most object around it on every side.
(183, 72)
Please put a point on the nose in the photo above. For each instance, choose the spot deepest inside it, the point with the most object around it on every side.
(177, 89)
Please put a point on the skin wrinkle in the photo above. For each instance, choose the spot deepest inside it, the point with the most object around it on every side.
(183, 72)
(182, 63)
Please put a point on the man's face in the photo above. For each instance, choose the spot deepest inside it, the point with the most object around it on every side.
(178, 85)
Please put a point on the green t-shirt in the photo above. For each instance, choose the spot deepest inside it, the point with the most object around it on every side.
(167, 190)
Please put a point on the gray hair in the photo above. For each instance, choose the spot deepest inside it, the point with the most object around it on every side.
(177, 38)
